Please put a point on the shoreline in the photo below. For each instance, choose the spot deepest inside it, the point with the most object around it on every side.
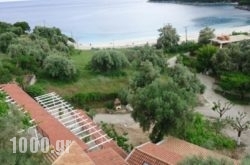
(129, 43)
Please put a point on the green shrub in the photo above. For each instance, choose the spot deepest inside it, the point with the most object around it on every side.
(121, 140)
(202, 133)
(198, 160)
(5, 75)
(35, 90)
(82, 99)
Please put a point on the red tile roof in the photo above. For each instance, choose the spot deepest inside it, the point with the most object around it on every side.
(106, 156)
(52, 128)
(153, 155)
(170, 152)
(74, 156)
(185, 149)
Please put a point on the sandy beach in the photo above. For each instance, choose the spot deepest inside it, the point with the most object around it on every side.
(142, 41)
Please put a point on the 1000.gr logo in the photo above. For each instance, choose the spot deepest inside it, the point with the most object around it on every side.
(42, 145)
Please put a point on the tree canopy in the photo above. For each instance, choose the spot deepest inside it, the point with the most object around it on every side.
(165, 106)
(59, 67)
(168, 38)
(205, 35)
(108, 60)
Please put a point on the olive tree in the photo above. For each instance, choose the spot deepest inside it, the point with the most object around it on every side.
(23, 25)
(5, 40)
(204, 58)
(161, 107)
(168, 38)
(205, 35)
(108, 60)
(59, 67)
(146, 75)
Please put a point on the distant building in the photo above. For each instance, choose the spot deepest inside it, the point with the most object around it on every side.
(226, 39)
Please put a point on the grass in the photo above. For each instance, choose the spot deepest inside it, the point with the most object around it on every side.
(87, 81)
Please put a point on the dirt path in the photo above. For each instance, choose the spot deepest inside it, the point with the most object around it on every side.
(210, 96)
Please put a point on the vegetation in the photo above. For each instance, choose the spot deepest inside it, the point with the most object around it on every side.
(108, 60)
(207, 134)
(59, 67)
(161, 111)
(205, 35)
(121, 140)
(34, 90)
(12, 121)
(239, 123)
(168, 39)
(204, 58)
(198, 160)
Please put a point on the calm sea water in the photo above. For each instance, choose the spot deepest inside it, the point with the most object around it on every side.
(93, 21)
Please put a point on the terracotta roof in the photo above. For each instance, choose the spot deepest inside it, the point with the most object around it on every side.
(106, 156)
(153, 155)
(73, 156)
(53, 129)
(185, 149)
(169, 152)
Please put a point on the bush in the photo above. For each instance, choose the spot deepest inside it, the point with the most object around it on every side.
(202, 133)
(5, 75)
(121, 140)
(59, 67)
(82, 99)
(108, 60)
(198, 160)
(35, 90)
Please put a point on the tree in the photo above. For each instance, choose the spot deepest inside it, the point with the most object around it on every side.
(199, 160)
(221, 109)
(59, 67)
(204, 58)
(4, 27)
(233, 58)
(237, 83)
(221, 61)
(186, 79)
(6, 39)
(149, 53)
(168, 38)
(5, 75)
(239, 123)
(146, 75)
(164, 106)
(205, 35)
(53, 35)
(24, 25)
(108, 60)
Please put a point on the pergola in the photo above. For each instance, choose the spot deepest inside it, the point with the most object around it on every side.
(78, 123)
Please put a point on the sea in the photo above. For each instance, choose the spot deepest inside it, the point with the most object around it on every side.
(100, 21)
